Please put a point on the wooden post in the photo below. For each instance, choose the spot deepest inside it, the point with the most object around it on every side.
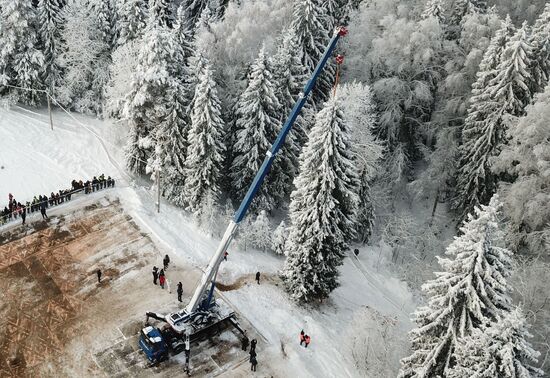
(158, 190)
(50, 110)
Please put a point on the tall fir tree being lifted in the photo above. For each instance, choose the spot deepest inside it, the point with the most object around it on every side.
(51, 22)
(322, 208)
(206, 146)
(483, 131)
(21, 62)
(500, 350)
(470, 293)
(256, 127)
(132, 20)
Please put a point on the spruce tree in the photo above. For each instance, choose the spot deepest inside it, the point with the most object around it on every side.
(104, 13)
(434, 8)
(322, 208)
(51, 22)
(483, 131)
(170, 138)
(206, 145)
(540, 42)
(280, 236)
(310, 23)
(471, 292)
(261, 232)
(289, 78)
(132, 20)
(21, 62)
(155, 77)
(500, 350)
(511, 85)
(194, 9)
(161, 12)
(256, 127)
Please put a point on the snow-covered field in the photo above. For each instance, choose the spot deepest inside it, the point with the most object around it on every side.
(37, 160)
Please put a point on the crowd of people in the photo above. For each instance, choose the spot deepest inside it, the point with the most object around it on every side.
(19, 210)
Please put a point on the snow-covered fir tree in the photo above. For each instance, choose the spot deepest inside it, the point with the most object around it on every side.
(434, 8)
(540, 43)
(209, 215)
(511, 85)
(206, 145)
(256, 127)
(194, 9)
(261, 232)
(280, 236)
(131, 19)
(526, 157)
(483, 131)
(460, 9)
(289, 77)
(104, 14)
(322, 208)
(360, 114)
(310, 23)
(500, 350)
(184, 32)
(170, 143)
(157, 73)
(471, 292)
(51, 21)
(21, 61)
(161, 12)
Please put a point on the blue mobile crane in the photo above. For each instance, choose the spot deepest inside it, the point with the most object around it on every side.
(204, 313)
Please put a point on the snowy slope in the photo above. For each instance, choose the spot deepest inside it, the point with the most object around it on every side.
(36, 159)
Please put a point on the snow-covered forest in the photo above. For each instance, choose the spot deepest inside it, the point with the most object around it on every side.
(434, 144)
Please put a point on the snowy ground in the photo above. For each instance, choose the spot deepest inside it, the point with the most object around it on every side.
(38, 160)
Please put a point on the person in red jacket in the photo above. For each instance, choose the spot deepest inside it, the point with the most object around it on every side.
(307, 339)
(162, 278)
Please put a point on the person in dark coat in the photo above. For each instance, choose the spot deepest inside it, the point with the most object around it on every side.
(253, 346)
(166, 261)
(302, 337)
(253, 363)
(43, 203)
(99, 275)
(155, 274)
(180, 291)
(258, 277)
(244, 343)
(23, 213)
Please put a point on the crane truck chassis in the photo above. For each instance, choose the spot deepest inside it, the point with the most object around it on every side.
(205, 315)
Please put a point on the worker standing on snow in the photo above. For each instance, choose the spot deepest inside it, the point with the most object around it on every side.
(253, 363)
(225, 256)
(43, 203)
(302, 337)
(253, 347)
(155, 274)
(258, 277)
(166, 261)
(180, 291)
(244, 343)
(23, 213)
(307, 339)
(99, 275)
(162, 278)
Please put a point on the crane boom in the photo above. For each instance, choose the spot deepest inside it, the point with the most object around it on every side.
(209, 275)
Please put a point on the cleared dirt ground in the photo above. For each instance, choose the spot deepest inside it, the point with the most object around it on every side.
(57, 320)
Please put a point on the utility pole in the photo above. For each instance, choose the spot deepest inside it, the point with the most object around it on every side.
(158, 190)
(50, 110)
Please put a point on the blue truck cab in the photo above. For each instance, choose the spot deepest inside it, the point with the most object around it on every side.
(153, 344)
